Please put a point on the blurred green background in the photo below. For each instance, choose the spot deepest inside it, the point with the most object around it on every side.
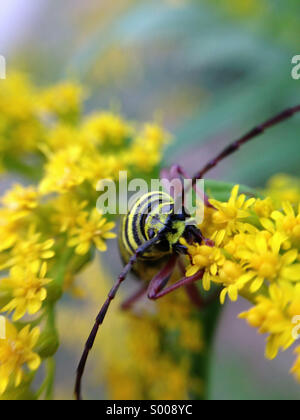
(207, 70)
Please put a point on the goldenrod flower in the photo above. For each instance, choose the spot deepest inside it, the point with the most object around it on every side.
(230, 216)
(30, 251)
(98, 167)
(264, 208)
(207, 227)
(20, 198)
(288, 222)
(245, 257)
(78, 153)
(20, 128)
(252, 246)
(10, 224)
(106, 128)
(16, 350)
(26, 288)
(296, 368)
(62, 136)
(143, 156)
(63, 100)
(261, 257)
(270, 315)
(63, 171)
(236, 242)
(66, 211)
(283, 187)
(93, 229)
(207, 258)
(17, 98)
(154, 134)
(234, 278)
(146, 149)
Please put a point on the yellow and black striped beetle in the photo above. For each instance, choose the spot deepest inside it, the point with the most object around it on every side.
(152, 214)
(152, 238)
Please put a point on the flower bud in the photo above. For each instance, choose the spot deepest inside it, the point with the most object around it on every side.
(48, 344)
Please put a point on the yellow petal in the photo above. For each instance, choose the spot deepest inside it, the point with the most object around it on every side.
(48, 254)
(48, 244)
(34, 336)
(276, 215)
(290, 256)
(223, 295)
(233, 293)
(109, 235)
(292, 273)
(34, 306)
(43, 271)
(192, 269)
(271, 348)
(206, 281)
(288, 209)
(261, 244)
(3, 384)
(267, 224)
(234, 194)
(83, 248)
(35, 362)
(256, 284)
(18, 378)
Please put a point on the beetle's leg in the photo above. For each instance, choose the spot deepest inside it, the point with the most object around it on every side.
(101, 315)
(192, 290)
(131, 300)
(158, 291)
(161, 278)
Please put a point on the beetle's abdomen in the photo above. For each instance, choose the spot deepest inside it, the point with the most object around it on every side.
(148, 214)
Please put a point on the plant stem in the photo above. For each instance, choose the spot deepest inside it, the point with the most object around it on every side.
(16, 165)
(51, 365)
(201, 365)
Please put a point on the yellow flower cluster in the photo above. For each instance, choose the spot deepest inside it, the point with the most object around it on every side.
(282, 188)
(20, 127)
(49, 230)
(254, 251)
(152, 372)
(161, 348)
(15, 351)
(156, 345)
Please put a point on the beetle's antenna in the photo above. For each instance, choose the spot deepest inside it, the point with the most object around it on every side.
(284, 115)
(100, 318)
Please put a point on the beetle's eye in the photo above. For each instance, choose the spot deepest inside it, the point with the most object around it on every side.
(151, 233)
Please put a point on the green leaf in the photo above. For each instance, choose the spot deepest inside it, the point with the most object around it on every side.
(221, 190)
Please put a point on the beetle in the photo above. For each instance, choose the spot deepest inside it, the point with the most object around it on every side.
(149, 241)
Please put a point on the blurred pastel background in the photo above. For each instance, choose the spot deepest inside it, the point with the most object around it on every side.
(208, 71)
